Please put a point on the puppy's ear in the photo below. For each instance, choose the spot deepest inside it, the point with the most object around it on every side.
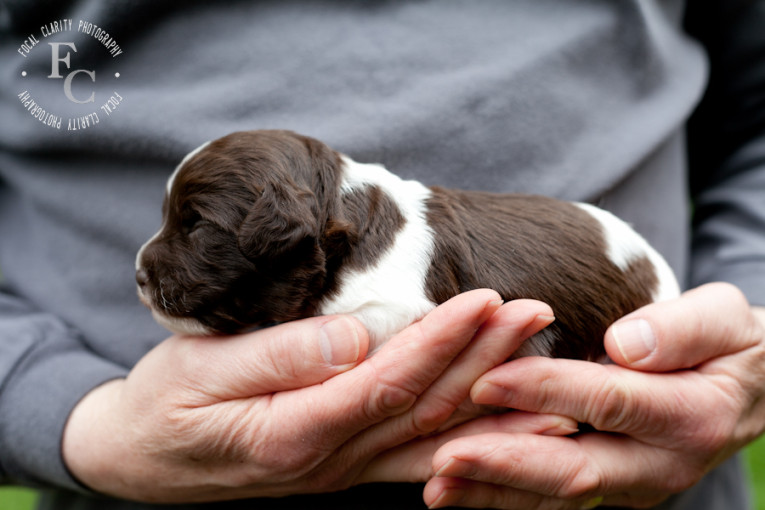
(281, 225)
(325, 164)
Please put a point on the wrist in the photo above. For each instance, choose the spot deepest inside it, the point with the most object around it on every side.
(88, 445)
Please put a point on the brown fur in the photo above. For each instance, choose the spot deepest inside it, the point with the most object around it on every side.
(256, 231)
(539, 248)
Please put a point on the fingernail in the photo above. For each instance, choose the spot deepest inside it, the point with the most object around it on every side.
(539, 323)
(489, 393)
(493, 306)
(339, 341)
(565, 427)
(450, 496)
(635, 339)
(548, 319)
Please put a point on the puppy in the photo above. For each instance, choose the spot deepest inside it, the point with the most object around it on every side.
(263, 227)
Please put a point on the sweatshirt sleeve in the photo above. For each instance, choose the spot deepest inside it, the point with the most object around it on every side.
(44, 371)
(727, 148)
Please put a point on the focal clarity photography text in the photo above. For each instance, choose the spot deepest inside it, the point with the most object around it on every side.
(66, 67)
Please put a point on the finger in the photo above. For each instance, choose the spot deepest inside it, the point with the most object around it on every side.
(704, 323)
(440, 405)
(388, 383)
(494, 342)
(443, 492)
(284, 357)
(610, 398)
(498, 338)
(413, 461)
(576, 470)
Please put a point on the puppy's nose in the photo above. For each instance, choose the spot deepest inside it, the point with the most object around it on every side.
(142, 277)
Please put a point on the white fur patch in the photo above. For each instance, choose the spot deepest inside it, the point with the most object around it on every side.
(389, 295)
(625, 246)
(174, 324)
(180, 326)
(185, 160)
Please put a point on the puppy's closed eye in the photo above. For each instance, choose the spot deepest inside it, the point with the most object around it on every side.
(191, 222)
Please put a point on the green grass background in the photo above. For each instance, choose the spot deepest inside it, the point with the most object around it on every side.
(15, 498)
(755, 455)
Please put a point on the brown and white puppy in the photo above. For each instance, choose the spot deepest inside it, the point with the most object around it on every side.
(263, 227)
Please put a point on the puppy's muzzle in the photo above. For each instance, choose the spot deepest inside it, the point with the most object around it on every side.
(142, 278)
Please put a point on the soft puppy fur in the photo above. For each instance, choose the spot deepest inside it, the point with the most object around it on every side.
(263, 227)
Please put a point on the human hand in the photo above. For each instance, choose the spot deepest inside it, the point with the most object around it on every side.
(291, 409)
(694, 398)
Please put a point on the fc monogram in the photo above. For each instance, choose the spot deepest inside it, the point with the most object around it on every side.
(55, 67)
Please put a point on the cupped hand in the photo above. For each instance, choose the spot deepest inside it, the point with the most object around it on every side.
(296, 408)
(686, 393)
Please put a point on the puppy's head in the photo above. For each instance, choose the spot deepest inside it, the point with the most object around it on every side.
(243, 236)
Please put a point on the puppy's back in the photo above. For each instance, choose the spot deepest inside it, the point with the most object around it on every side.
(588, 265)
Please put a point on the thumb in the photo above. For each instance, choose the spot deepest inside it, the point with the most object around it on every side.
(704, 323)
(284, 357)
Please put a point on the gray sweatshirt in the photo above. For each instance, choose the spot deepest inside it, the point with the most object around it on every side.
(585, 100)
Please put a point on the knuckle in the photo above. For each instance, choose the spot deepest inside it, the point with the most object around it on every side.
(326, 481)
(274, 358)
(611, 406)
(583, 484)
(730, 293)
(426, 419)
(294, 466)
(444, 413)
(278, 461)
(683, 479)
(718, 438)
(712, 438)
(467, 411)
(389, 400)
